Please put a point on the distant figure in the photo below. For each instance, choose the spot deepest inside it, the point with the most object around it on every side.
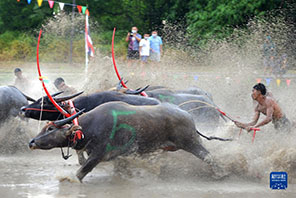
(269, 53)
(155, 46)
(144, 48)
(281, 66)
(61, 86)
(270, 108)
(21, 82)
(133, 39)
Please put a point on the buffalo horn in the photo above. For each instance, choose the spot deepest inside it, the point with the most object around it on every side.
(138, 91)
(58, 93)
(62, 122)
(118, 86)
(29, 98)
(67, 97)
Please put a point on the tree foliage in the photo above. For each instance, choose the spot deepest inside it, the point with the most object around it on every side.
(204, 19)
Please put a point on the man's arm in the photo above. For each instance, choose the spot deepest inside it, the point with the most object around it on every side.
(246, 125)
(269, 113)
(138, 38)
(127, 37)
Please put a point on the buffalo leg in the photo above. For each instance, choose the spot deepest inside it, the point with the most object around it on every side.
(81, 158)
(90, 163)
(200, 152)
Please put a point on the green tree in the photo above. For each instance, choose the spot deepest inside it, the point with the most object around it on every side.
(19, 16)
(209, 19)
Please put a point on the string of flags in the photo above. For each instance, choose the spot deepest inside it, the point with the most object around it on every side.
(278, 81)
(80, 8)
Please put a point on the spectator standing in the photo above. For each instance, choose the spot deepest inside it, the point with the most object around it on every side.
(155, 46)
(144, 48)
(133, 38)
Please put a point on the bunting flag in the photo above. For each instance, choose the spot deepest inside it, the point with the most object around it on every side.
(79, 8)
(278, 82)
(39, 2)
(83, 9)
(288, 81)
(61, 6)
(87, 12)
(267, 81)
(51, 3)
(258, 80)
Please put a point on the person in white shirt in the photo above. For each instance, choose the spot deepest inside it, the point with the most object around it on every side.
(144, 48)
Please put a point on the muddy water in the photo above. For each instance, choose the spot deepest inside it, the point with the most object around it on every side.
(45, 174)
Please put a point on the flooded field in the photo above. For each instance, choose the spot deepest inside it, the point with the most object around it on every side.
(47, 175)
(227, 73)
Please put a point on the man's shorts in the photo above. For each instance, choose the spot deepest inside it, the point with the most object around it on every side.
(283, 124)
(133, 54)
(155, 56)
(144, 58)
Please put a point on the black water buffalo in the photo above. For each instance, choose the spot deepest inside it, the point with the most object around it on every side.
(201, 107)
(117, 128)
(88, 102)
(11, 100)
(190, 90)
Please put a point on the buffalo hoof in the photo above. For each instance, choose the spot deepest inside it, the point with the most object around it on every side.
(80, 176)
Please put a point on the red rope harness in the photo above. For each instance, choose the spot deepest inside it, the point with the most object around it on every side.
(46, 110)
(78, 134)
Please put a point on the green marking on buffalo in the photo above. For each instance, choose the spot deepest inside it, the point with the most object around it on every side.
(116, 128)
(164, 98)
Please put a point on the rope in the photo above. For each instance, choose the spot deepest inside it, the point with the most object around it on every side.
(197, 108)
(190, 101)
(39, 121)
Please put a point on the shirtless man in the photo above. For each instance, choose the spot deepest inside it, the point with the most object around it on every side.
(269, 107)
(62, 86)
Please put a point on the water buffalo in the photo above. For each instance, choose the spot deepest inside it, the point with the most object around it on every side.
(117, 128)
(201, 107)
(11, 100)
(88, 102)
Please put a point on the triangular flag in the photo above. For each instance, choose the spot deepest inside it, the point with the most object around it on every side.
(288, 81)
(195, 77)
(39, 2)
(278, 82)
(61, 6)
(258, 80)
(79, 8)
(50, 2)
(268, 81)
(29, 1)
(83, 9)
(87, 12)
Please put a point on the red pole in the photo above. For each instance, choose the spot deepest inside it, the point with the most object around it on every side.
(41, 79)
(115, 67)
(254, 133)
